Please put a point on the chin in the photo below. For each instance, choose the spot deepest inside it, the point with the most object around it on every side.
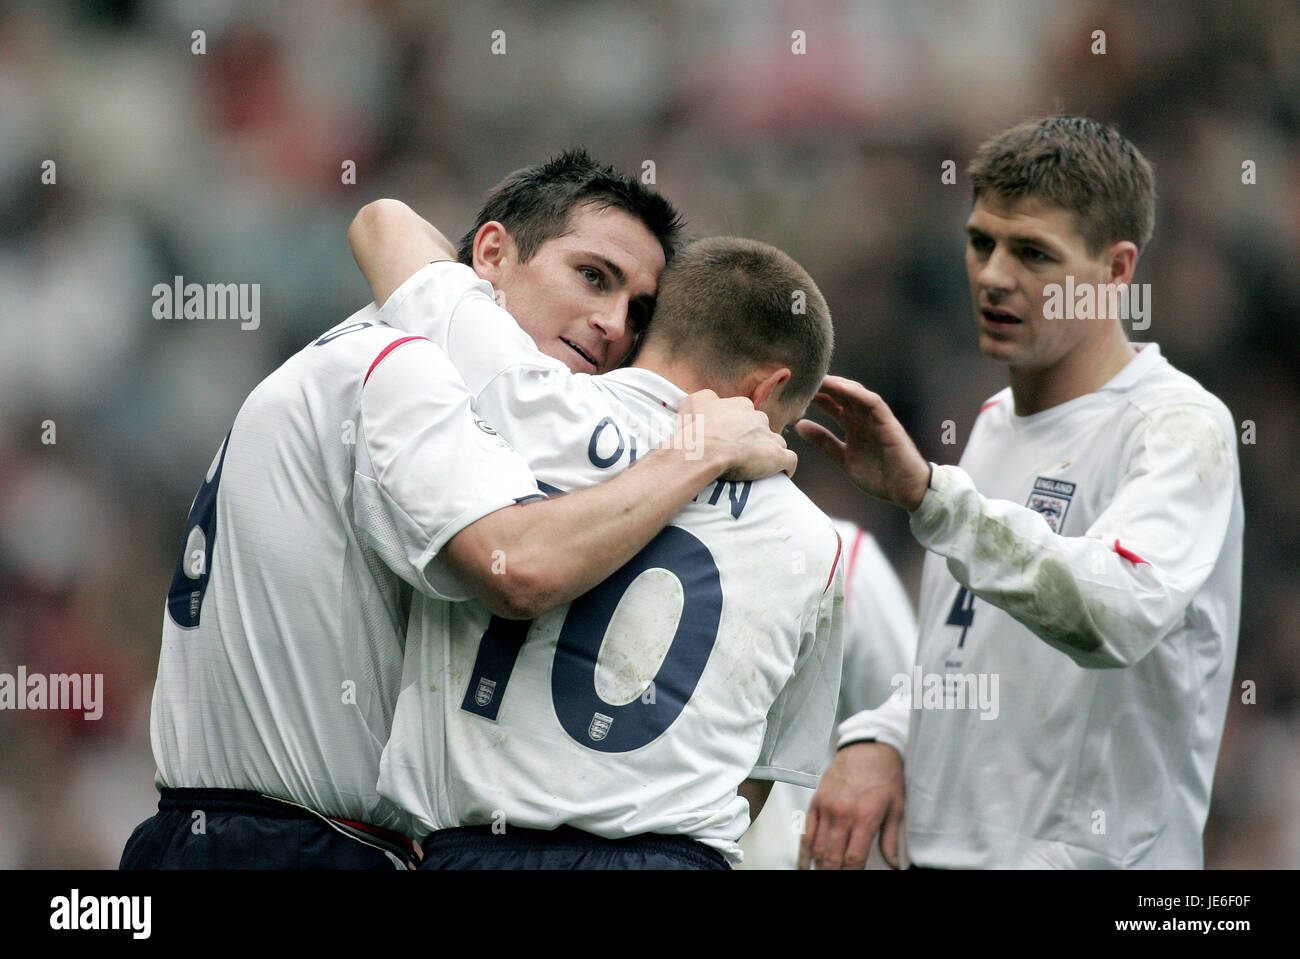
(999, 350)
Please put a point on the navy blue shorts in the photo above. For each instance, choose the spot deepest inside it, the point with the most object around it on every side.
(239, 829)
(477, 847)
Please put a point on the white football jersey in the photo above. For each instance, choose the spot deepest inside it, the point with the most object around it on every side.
(712, 656)
(879, 645)
(1079, 612)
(346, 471)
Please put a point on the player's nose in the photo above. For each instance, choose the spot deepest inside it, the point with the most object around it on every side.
(611, 320)
(996, 272)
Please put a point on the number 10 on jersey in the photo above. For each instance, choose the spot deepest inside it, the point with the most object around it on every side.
(584, 715)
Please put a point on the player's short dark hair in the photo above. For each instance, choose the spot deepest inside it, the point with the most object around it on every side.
(535, 204)
(1077, 164)
(728, 304)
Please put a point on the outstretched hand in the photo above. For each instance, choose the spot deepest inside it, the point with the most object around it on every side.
(876, 451)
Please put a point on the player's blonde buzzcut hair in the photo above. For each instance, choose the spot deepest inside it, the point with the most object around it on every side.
(1078, 164)
(728, 304)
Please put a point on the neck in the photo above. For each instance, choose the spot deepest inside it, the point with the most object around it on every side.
(1084, 370)
(681, 374)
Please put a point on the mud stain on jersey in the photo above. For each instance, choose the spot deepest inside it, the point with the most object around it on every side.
(1193, 429)
(1052, 606)
(997, 543)
(1061, 611)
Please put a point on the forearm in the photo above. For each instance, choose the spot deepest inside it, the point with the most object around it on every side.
(1078, 594)
(538, 555)
(390, 242)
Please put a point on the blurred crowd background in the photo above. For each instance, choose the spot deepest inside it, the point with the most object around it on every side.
(227, 166)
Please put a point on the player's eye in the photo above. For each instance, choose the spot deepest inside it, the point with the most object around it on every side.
(980, 244)
(1034, 255)
(592, 275)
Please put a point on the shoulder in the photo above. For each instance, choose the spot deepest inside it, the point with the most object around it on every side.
(1165, 391)
(343, 353)
(867, 570)
(1170, 410)
(802, 520)
(357, 344)
(1000, 402)
(863, 557)
(994, 412)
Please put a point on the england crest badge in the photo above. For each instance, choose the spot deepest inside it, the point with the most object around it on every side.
(1051, 497)
(599, 727)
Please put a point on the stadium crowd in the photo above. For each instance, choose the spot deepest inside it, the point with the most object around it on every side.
(244, 163)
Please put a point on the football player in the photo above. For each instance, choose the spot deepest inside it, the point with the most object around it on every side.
(355, 477)
(640, 726)
(1084, 559)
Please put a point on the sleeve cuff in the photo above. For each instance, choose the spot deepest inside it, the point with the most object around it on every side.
(888, 723)
(931, 516)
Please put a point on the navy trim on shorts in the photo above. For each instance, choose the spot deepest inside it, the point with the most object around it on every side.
(231, 800)
(249, 803)
(467, 843)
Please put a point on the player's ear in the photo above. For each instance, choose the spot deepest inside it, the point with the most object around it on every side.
(493, 249)
(1120, 260)
(766, 385)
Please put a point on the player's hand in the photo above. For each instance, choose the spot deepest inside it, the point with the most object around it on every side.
(876, 451)
(734, 436)
(860, 794)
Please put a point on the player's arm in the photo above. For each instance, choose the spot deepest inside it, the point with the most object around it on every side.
(802, 716)
(529, 558)
(405, 262)
(437, 495)
(513, 385)
(390, 242)
(755, 792)
(1105, 598)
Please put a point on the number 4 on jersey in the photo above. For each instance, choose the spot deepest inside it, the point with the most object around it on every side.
(962, 613)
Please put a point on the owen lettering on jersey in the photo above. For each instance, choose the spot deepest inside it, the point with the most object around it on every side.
(607, 446)
(607, 436)
(737, 495)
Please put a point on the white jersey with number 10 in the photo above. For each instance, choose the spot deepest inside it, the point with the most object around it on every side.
(713, 656)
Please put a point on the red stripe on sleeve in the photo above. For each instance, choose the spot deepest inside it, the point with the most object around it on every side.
(1128, 554)
(988, 404)
(853, 556)
(839, 548)
(388, 349)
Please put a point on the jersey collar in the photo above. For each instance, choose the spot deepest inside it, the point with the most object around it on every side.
(660, 391)
(1148, 356)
